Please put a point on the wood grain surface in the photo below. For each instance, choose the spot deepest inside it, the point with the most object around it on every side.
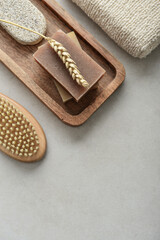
(19, 59)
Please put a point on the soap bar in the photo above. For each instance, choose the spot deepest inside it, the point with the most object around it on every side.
(25, 14)
(49, 60)
(73, 36)
(62, 92)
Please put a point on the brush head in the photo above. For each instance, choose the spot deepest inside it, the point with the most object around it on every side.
(21, 136)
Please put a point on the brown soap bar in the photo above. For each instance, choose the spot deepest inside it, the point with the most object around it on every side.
(49, 60)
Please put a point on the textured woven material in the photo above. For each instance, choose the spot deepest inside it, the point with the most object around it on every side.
(132, 24)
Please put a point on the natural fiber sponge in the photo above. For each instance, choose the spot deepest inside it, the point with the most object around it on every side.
(24, 13)
(133, 24)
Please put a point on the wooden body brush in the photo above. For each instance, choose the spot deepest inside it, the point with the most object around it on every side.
(21, 136)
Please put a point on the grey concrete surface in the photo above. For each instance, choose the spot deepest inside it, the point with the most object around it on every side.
(99, 181)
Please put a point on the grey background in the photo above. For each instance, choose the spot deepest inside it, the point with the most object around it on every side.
(99, 181)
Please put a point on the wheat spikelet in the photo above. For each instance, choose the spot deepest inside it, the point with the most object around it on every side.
(68, 61)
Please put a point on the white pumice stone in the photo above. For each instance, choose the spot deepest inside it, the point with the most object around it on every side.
(24, 13)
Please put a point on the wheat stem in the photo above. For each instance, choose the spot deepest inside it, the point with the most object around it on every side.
(25, 28)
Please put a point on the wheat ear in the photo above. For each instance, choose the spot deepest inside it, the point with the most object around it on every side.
(62, 53)
(68, 61)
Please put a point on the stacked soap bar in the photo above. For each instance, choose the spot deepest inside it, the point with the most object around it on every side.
(49, 60)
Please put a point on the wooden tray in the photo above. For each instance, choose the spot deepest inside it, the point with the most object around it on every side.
(19, 59)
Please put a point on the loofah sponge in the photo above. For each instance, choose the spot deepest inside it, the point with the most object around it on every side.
(24, 13)
(132, 24)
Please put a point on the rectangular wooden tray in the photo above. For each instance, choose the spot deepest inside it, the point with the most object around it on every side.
(19, 59)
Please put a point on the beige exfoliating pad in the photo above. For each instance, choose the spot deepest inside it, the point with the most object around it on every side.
(133, 24)
(24, 13)
(21, 136)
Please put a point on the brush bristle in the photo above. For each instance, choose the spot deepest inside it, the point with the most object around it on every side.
(17, 134)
